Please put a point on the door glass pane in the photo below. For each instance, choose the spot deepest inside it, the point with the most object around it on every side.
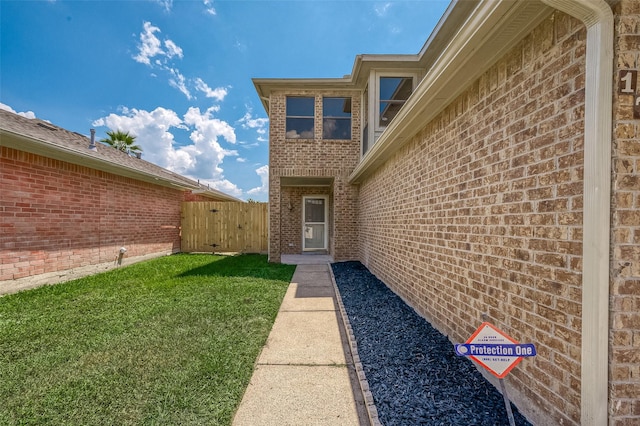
(314, 236)
(314, 223)
(314, 210)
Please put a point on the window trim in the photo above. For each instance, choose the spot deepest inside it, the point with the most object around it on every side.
(376, 101)
(371, 117)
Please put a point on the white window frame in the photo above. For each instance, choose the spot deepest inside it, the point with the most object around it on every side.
(313, 117)
(375, 130)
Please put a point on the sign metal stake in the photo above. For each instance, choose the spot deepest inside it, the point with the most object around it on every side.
(507, 403)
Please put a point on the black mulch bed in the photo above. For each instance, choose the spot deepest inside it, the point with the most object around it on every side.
(413, 372)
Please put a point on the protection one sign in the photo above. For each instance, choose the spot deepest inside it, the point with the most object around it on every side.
(494, 350)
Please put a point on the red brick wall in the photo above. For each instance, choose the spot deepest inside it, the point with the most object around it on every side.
(57, 216)
(189, 196)
(480, 215)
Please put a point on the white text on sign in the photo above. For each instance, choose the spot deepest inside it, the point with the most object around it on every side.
(517, 350)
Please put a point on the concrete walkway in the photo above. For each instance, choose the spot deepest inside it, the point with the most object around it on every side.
(305, 374)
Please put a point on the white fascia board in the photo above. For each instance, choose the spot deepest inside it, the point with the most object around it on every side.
(488, 33)
(264, 86)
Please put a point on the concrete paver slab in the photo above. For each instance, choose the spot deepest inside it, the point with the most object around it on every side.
(312, 278)
(311, 267)
(298, 395)
(309, 337)
(308, 298)
(306, 259)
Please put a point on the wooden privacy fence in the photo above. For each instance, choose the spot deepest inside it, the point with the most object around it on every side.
(224, 227)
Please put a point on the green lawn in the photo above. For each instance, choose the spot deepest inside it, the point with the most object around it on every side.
(168, 341)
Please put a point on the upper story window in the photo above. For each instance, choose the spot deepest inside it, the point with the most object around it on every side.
(336, 118)
(300, 117)
(394, 92)
(384, 96)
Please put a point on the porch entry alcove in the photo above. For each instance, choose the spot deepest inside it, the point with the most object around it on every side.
(306, 209)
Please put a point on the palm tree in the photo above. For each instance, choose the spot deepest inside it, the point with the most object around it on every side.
(122, 141)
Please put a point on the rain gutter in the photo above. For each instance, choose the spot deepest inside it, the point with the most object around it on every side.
(598, 18)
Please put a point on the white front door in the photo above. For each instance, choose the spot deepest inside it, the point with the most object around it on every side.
(314, 223)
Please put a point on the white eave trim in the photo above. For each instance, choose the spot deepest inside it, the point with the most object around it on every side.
(487, 34)
(39, 147)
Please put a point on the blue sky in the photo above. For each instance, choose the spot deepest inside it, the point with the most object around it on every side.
(177, 73)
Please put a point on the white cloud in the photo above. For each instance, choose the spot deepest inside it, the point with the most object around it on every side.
(207, 126)
(218, 93)
(173, 49)
(261, 124)
(166, 4)
(247, 145)
(381, 9)
(248, 122)
(242, 47)
(263, 172)
(228, 188)
(208, 6)
(26, 114)
(201, 159)
(179, 82)
(151, 47)
(293, 134)
(225, 186)
(329, 126)
(159, 54)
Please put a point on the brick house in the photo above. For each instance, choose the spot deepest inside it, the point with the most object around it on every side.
(494, 175)
(68, 202)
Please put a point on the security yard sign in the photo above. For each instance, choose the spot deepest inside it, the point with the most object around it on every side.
(494, 350)
(498, 353)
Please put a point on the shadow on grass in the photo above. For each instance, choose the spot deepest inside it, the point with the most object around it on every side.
(242, 265)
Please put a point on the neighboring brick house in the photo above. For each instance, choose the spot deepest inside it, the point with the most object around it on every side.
(494, 175)
(65, 205)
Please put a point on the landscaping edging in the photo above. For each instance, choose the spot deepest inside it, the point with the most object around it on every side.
(57, 277)
(369, 403)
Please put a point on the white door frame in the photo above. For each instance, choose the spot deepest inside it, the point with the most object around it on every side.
(325, 237)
